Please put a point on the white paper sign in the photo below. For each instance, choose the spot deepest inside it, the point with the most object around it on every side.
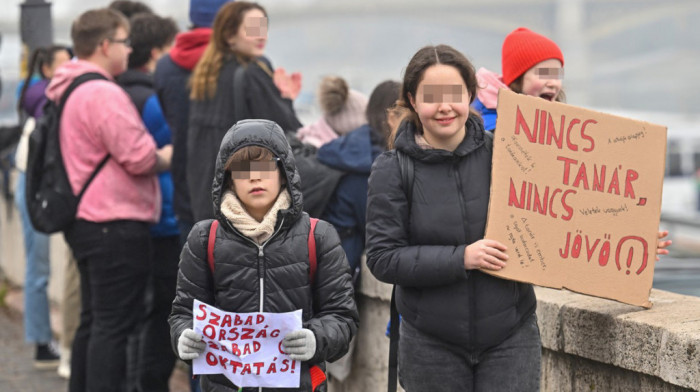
(246, 347)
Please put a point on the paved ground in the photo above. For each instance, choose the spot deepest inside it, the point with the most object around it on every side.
(17, 372)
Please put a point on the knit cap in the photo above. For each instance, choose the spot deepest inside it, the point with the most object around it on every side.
(202, 12)
(523, 49)
(343, 108)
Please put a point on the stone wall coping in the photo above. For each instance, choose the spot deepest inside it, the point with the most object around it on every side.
(663, 341)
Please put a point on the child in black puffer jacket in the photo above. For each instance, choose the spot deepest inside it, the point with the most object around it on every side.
(261, 256)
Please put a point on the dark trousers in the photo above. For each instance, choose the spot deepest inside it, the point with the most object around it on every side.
(114, 263)
(152, 358)
(427, 363)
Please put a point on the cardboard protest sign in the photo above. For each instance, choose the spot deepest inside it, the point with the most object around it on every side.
(576, 197)
(246, 347)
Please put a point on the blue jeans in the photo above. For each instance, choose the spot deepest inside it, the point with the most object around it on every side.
(427, 363)
(37, 326)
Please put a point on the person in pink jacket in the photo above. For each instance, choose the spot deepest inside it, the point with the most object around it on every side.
(110, 238)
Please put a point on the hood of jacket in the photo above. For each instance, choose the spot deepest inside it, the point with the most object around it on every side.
(265, 134)
(66, 73)
(489, 83)
(317, 134)
(473, 139)
(189, 47)
(352, 152)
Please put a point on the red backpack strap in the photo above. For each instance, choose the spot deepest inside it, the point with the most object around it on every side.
(312, 250)
(317, 377)
(210, 244)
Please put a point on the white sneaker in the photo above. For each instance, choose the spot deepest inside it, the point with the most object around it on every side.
(64, 363)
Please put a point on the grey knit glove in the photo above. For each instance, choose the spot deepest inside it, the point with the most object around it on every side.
(190, 345)
(300, 344)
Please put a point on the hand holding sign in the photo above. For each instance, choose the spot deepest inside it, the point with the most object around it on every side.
(247, 348)
(662, 245)
(190, 345)
(486, 254)
(300, 345)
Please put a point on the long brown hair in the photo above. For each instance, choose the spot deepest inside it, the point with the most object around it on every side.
(226, 25)
(422, 60)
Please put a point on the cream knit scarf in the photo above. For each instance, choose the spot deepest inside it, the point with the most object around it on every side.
(234, 211)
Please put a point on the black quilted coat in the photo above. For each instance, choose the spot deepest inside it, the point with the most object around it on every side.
(423, 253)
(272, 277)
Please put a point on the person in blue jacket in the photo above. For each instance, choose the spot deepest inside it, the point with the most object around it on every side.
(354, 154)
(151, 36)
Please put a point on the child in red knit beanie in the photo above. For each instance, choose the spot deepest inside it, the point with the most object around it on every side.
(531, 63)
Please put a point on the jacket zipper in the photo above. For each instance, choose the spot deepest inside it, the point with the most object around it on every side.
(261, 255)
(472, 327)
(261, 267)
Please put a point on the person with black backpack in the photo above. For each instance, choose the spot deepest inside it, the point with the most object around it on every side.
(263, 253)
(104, 143)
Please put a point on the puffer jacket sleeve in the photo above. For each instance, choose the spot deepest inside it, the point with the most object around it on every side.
(390, 257)
(194, 281)
(335, 319)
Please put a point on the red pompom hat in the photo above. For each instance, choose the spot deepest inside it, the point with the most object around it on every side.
(523, 49)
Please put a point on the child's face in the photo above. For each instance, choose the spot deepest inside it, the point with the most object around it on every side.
(256, 184)
(442, 105)
(544, 80)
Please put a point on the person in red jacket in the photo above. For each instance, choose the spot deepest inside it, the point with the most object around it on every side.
(170, 80)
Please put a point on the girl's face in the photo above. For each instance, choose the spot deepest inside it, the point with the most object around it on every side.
(257, 185)
(442, 105)
(251, 38)
(544, 80)
(59, 58)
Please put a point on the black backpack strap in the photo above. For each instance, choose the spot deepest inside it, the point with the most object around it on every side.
(407, 176)
(393, 343)
(488, 140)
(406, 166)
(64, 98)
(240, 106)
(74, 84)
(93, 175)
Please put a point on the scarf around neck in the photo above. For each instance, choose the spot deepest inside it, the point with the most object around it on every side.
(259, 232)
(422, 143)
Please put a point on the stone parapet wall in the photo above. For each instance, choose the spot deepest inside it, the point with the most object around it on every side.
(589, 344)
